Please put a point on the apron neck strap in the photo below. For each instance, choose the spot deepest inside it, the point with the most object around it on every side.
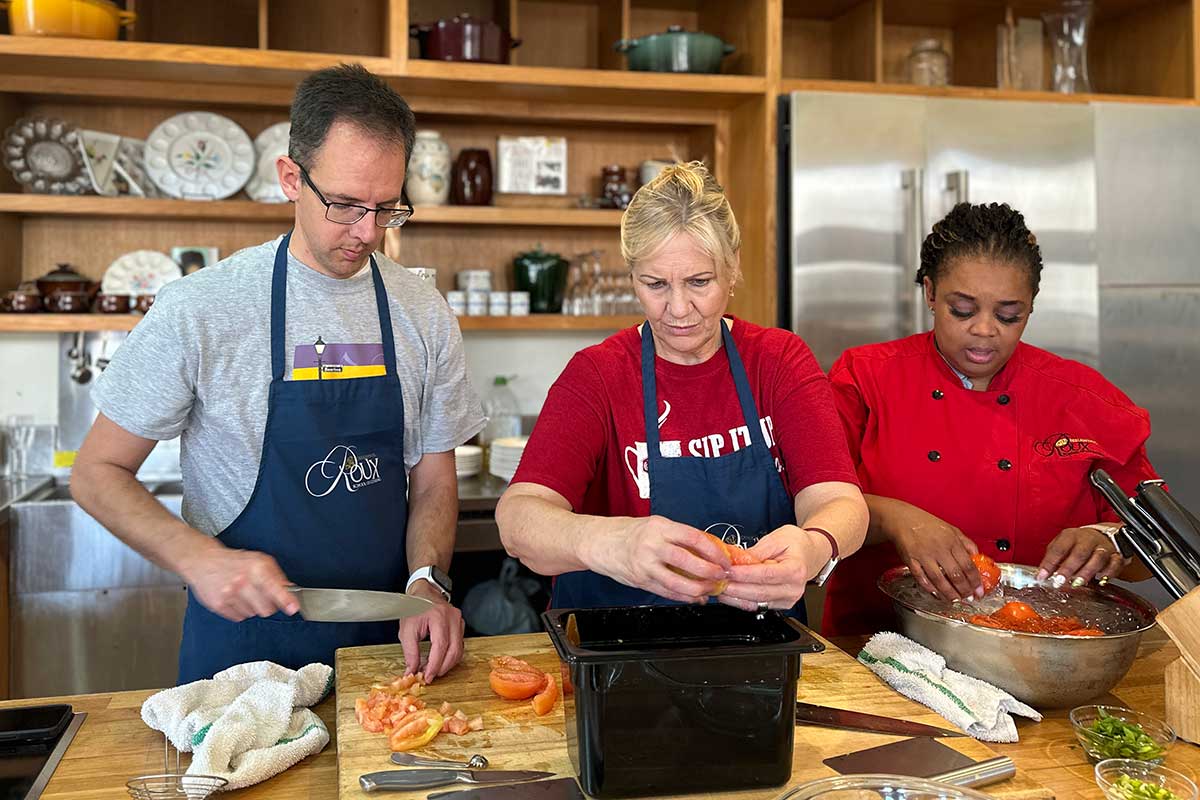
(279, 313)
(740, 382)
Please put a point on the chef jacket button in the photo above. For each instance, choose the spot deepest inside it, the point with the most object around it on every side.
(1003, 399)
(1003, 545)
(938, 394)
(934, 455)
(1005, 464)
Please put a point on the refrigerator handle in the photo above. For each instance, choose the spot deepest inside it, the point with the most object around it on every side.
(913, 182)
(959, 182)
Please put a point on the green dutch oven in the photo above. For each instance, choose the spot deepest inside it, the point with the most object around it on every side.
(676, 50)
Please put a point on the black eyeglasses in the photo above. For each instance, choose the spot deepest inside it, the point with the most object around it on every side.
(348, 213)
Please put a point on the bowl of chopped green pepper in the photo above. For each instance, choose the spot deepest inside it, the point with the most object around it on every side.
(1128, 779)
(1115, 732)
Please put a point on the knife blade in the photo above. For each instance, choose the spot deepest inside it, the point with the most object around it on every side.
(405, 780)
(825, 717)
(556, 789)
(356, 605)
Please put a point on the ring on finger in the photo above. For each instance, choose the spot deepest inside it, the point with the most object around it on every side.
(762, 606)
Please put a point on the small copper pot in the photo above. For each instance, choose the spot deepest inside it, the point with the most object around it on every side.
(144, 301)
(113, 303)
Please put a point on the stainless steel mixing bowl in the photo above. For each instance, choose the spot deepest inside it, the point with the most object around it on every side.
(1043, 670)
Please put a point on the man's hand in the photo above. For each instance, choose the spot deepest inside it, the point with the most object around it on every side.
(443, 625)
(238, 584)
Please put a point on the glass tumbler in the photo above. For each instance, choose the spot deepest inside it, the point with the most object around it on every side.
(1068, 28)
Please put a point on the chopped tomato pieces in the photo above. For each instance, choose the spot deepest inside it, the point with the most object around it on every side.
(543, 701)
(988, 571)
(397, 710)
(417, 730)
(1018, 616)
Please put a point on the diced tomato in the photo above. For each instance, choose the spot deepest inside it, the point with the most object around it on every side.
(456, 726)
(543, 701)
(988, 571)
(475, 723)
(418, 730)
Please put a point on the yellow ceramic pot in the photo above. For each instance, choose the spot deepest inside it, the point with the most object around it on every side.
(83, 19)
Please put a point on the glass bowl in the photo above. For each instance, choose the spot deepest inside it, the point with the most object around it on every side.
(881, 787)
(1150, 747)
(1111, 771)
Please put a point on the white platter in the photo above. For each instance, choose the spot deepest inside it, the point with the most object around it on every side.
(269, 146)
(139, 272)
(199, 155)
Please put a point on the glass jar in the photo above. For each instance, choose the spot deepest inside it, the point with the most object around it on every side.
(929, 64)
(1068, 29)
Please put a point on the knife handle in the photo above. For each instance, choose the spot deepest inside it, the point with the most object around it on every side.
(403, 780)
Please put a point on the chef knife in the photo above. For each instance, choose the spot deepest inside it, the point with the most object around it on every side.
(825, 717)
(557, 789)
(356, 605)
(405, 780)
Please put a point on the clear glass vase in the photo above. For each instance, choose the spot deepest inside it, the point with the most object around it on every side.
(1068, 28)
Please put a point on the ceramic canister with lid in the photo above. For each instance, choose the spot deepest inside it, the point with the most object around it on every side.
(457, 301)
(428, 181)
(498, 304)
(518, 304)
(477, 303)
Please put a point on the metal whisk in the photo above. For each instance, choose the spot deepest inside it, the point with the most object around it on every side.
(173, 784)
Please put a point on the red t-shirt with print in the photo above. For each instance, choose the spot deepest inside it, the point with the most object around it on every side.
(589, 443)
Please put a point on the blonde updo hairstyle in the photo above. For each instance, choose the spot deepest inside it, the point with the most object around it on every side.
(683, 198)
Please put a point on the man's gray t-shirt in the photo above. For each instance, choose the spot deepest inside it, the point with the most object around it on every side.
(199, 366)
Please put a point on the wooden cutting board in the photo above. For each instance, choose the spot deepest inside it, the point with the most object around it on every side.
(515, 738)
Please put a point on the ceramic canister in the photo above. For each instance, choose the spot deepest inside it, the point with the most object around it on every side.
(458, 302)
(498, 304)
(518, 304)
(429, 170)
(477, 303)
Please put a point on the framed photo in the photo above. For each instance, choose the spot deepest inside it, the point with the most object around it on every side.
(192, 259)
(532, 164)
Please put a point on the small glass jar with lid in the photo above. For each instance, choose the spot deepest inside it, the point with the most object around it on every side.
(929, 63)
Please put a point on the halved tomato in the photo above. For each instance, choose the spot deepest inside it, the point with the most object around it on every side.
(416, 730)
(1016, 611)
(514, 685)
(543, 701)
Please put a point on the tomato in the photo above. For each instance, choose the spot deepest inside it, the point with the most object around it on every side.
(986, 622)
(988, 571)
(416, 730)
(1085, 632)
(514, 685)
(1016, 611)
(543, 701)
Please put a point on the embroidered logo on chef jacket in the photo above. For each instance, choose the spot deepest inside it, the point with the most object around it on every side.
(1064, 446)
(342, 467)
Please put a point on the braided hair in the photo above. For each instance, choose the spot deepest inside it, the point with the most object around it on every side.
(993, 231)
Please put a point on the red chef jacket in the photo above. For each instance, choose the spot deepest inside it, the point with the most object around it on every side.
(1008, 466)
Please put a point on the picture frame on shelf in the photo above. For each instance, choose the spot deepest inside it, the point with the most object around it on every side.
(532, 165)
(194, 259)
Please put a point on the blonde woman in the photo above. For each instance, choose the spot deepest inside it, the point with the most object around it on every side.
(693, 421)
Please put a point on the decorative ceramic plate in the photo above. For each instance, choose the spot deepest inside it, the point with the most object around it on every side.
(139, 272)
(129, 172)
(44, 155)
(199, 155)
(268, 146)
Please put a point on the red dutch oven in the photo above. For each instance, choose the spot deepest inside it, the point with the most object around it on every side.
(463, 38)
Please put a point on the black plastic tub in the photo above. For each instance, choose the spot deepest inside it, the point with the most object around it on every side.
(678, 699)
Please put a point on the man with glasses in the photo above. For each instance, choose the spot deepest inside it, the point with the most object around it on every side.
(319, 390)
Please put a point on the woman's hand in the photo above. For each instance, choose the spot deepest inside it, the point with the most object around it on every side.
(796, 555)
(670, 559)
(937, 553)
(1079, 555)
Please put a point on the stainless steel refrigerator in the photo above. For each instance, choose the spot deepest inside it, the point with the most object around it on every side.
(1109, 189)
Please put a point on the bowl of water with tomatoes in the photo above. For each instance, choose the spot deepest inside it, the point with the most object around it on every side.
(1048, 645)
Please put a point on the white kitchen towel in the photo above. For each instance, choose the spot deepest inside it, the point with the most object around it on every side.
(247, 724)
(979, 708)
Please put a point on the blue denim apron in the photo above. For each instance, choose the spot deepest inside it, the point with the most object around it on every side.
(330, 505)
(738, 497)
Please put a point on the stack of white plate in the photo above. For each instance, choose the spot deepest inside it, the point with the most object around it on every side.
(506, 455)
(468, 460)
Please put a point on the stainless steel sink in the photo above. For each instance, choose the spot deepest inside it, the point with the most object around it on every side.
(62, 491)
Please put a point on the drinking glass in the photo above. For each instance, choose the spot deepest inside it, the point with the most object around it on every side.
(1068, 30)
(20, 431)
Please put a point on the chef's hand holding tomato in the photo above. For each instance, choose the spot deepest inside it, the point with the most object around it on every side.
(1081, 555)
(787, 559)
(668, 558)
(937, 553)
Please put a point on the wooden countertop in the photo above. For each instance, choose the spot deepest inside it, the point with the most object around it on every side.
(114, 745)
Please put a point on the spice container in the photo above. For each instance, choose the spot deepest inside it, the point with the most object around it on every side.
(929, 64)
(718, 683)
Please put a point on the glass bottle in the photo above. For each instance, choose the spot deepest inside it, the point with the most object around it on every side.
(929, 64)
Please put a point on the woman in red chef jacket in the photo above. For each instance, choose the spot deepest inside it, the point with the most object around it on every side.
(966, 440)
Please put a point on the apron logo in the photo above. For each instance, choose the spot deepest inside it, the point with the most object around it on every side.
(729, 533)
(342, 465)
(1060, 444)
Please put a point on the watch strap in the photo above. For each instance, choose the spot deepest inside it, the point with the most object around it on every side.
(822, 576)
(429, 575)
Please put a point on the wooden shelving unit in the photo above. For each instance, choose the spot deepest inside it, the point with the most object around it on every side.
(565, 79)
(67, 323)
